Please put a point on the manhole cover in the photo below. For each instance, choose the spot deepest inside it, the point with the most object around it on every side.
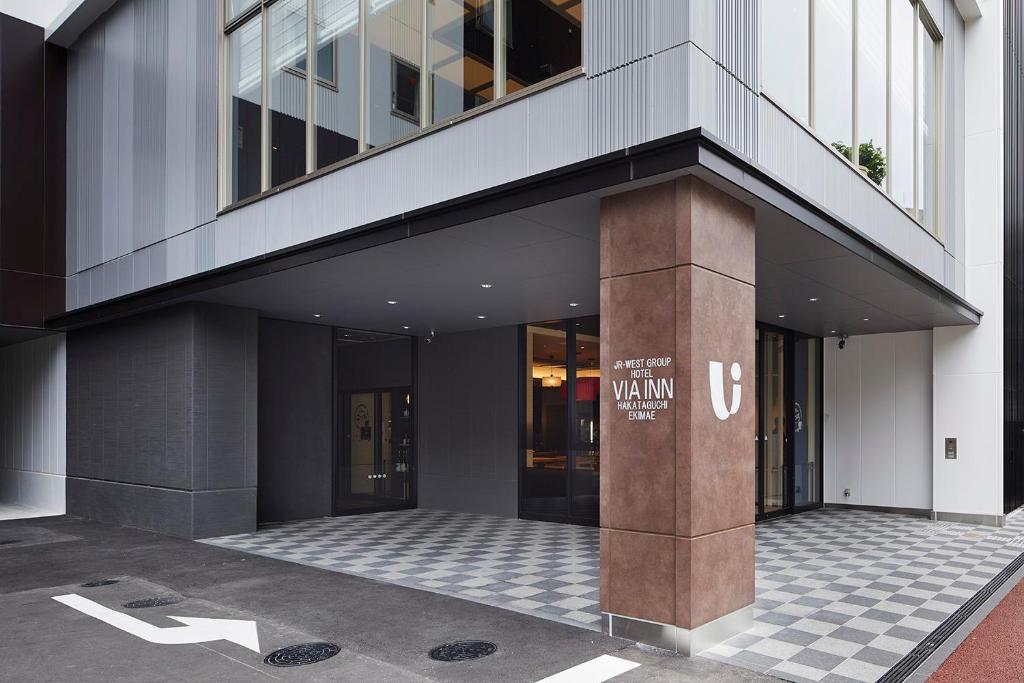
(300, 655)
(97, 584)
(10, 541)
(462, 650)
(152, 602)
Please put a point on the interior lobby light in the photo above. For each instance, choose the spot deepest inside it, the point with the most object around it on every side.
(551, 381)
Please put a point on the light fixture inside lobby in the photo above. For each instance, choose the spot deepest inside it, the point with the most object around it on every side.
(551, 381)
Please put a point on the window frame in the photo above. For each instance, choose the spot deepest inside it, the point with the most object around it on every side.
(922, 21)
(425, 124)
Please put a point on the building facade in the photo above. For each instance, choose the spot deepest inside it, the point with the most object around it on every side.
(661, 266)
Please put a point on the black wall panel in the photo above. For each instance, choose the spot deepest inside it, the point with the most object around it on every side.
(295, 420)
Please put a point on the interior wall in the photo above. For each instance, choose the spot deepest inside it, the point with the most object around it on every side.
(878, 420)
(468, 423)
(295, 420)
(162, 421)
(33, 377)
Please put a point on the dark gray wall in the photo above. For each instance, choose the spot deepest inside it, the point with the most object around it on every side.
(375, 365)
(468, 423)
(295, 420)
(162, 421)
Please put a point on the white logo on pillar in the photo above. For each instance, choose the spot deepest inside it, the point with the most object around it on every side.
(716, 375)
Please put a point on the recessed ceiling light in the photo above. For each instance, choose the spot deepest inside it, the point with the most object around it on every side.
(405, 327)
(486, 285)
(813, 299)
(833, 332)
(782, 315)
(573, 304)
(866, 319)
(316, 315)
(481, 317)
(583, 348)
(391, 302)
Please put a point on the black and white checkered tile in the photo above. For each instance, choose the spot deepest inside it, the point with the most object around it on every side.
(842, 595)
(548, 570)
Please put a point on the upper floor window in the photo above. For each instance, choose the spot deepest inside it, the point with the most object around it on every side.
(385, 69)
(864, 74)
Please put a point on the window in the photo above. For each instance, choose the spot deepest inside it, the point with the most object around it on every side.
(461, 56)
(786, 70)
(833, 87)
(385, 69)
(245, 75)
(336, 110)
(287, 106)
(811, 51)
(393, 39)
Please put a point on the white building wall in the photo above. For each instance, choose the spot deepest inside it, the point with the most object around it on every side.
(33, 423)
(878, 420)
(968, 361)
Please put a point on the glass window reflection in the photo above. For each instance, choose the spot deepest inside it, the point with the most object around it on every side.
(337, 105)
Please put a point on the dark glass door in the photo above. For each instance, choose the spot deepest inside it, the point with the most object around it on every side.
(789, 436)
(375, 459)
(560, 469)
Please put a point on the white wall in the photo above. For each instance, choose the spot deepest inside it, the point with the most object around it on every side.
(33, 424)
(878, 420)
(968, 361)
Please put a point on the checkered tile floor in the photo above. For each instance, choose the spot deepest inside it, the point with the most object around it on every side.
(544, 569)
(842, 595)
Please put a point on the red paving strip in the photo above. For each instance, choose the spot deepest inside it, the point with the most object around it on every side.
(994, 651)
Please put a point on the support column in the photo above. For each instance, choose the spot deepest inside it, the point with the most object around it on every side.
(677, 415)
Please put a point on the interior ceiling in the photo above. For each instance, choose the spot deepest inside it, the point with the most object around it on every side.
(541, 260)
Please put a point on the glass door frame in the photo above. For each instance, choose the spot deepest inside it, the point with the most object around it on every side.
(789, 342)
(572, 443)
(343, 454)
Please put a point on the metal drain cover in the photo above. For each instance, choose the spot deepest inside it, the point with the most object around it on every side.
(10, 541)
(152, 602)
(462, 650)
(97, 584)
(300, 655)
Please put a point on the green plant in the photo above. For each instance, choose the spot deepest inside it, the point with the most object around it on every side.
(871, 157)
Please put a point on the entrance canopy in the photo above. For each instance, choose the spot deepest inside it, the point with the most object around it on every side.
(542, 262)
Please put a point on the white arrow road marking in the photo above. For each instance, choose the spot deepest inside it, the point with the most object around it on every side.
(595, 671)
(195, 630)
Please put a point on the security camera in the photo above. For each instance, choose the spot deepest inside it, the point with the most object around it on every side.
(430, 337)
(842, 341)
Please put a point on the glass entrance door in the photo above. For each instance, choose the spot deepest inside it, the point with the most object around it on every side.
(788, 437)
(375, 463)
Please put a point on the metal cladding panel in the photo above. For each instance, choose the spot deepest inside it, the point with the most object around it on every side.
(618, 32)
(618, 110)
(141, 129)
(802, 161)
(551, 146)
(32, 405)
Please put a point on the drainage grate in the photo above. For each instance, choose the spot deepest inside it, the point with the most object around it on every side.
(300, 655)
(906, 666)
(10, 541)
(463, 650)
(152, 602)
(97, 584)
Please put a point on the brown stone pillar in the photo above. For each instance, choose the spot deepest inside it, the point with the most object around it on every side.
(677, 485)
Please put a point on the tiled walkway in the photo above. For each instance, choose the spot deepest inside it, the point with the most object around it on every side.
(841, 595)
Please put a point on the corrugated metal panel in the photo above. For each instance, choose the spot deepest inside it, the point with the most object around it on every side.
(617, 33)
(33, 422)
(141, 129)
(618, 108)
